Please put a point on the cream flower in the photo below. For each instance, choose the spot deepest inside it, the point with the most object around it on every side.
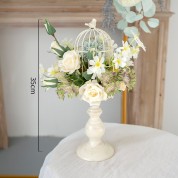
(92, 92)
(122, 86)
(125, 50)
(119, 61)
(70, 62)
(53, 71)
(54, 45)
(128, 3)
(97, 67)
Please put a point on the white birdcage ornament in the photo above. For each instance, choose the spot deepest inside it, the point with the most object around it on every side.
(93, 40)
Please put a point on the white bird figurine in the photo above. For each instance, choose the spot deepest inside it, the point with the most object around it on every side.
(92, 24)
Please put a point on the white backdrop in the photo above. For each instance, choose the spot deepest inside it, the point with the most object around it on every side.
(18, 54)
(171, 89)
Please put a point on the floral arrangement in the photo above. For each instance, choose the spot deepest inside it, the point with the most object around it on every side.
(94, 66)
(97, 69)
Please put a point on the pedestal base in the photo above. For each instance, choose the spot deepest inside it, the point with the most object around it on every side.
(100, 152)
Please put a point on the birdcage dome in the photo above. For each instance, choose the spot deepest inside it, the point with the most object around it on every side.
(93, 39)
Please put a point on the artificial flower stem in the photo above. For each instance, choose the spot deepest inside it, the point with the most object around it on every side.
(56, 40)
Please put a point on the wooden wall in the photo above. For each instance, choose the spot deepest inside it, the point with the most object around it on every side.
(3, 129)
(145, 103)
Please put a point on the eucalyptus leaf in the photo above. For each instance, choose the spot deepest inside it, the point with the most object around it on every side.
(153, 22)
(151, 12)
(138, 17)
(49, 28)
(139, 7)
(122, 24)
(120, 9)
(144, 27)
(129, 31)
(132, 41)
(147, 5)
(130, 17)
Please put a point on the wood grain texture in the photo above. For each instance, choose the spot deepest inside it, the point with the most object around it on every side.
(3, 128)
(62, 13)
(146, 102)
(4, 176)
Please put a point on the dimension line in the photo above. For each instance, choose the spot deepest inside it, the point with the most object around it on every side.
(38, 86)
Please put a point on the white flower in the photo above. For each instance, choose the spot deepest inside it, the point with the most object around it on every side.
(138, 41)
(128, 3)
(92, 92)
(53, 71)
(54, 45)
(119, 60)
(70, 62)
(122, 86)
(97, 67)
(125, 49)
(135, 51)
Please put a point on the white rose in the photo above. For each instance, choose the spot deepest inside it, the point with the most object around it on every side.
(54, 45)
(70, 62)
(122, 86)
(92, 92)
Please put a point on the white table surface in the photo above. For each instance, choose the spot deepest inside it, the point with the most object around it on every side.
(141, 152)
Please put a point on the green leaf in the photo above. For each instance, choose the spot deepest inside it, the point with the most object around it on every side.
(86, 76)
(138, 17)
(147, 5)
(53, 80)
(62, 47)
(49, 86)
(151, 12)
(144, 27)
(120, 9)
(130, 17)
(139, 7)
(153, 22)
(122, 24)
(130, 30)
(79, 82)
(58, 52)
(49, 28)
(89, 55)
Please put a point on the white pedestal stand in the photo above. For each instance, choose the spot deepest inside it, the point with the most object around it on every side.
(95, 149)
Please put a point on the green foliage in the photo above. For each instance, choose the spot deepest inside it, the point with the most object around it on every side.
(50, 82)
(153, 22)
(146, 8)
(122, 24)
(130, 30)
(77, 78)
(49, 28)
(86, 76)
(144, 27)
(151, 11)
